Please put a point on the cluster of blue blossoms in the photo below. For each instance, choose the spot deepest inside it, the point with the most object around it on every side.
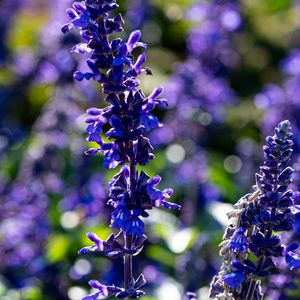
(113, 65)
(255, 220)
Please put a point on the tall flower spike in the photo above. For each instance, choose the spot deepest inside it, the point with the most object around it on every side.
(254, 223)
(276, 102)
(132, 193)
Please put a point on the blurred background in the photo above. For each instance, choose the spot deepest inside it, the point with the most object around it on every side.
(231, 72)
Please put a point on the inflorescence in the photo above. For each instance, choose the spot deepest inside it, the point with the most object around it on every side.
(114, 65)
(251, 243)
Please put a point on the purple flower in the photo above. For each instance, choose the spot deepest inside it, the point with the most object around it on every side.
(132, 201)
(114, 246)
(234, 279)
(292, 259)
(113, 56)
(281, 101)
(239, 242)
(112, 64)
(104, 290)
(137, 12)
(211, 39)
(255, 219)
(136, 119)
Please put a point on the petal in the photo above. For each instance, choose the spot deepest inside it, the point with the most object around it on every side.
(71, 13)
(94, 238)
(170, 205)
(94, 111)
(92, 151)
(79, 7)
(133, 39)
(292, 246)
(141, 281)
(79, 76)
(233, 279)
(239, 242)
(149, 121)
(111, 159)
(293, 260)
(155, 93)
(168, 192)
(120, 60)
(81, 21)
(134, 226)
(119, 218)
(87, 249)
(95, 137)
(138, 64)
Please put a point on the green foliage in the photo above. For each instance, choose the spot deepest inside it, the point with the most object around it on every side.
(277, 5)
(32, 293)
(58, 246)
(220, 177)
(161, 255)
(24, 32)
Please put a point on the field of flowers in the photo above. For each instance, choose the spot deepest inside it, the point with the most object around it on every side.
(149, 149)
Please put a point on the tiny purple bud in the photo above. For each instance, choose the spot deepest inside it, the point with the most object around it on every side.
(118, 18)
(138, 65)
(155, 93)
(95, 284)
(155, 180)
(93, 237)
(65, 28)
(83, 250)
(168, 192)
(92, 151)
(94, 111)
(78, 76)
(79, 7)
(92, 119)
(133, 39)
(71, 13)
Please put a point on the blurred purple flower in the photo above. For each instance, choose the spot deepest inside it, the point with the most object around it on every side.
(212, 38)
(137, 11)
(25, 224)
(279, 102)
(200, 95)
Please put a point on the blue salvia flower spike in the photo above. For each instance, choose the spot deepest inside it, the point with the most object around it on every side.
(112, 64)
(255, 223)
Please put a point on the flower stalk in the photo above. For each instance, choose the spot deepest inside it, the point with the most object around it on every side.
(113, 65)
(254, 224)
